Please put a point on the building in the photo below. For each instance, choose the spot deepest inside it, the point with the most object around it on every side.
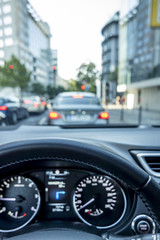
(25, 35)
(139, 58)
(60, 82)
(110, 33)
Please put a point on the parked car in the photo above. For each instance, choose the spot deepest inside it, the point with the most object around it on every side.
(44, 102)
(13, 109)
(33, 104)
(71, 108)
(3, 120)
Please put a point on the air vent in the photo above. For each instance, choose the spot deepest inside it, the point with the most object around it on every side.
(150, 161)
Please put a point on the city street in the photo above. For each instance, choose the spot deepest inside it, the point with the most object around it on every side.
(117, 116)
(35, 119)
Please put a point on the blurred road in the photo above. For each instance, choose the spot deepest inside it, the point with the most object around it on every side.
(36, 119)
(117, 116)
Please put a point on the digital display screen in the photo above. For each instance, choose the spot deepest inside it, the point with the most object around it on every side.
(57, 186)
(59, 189)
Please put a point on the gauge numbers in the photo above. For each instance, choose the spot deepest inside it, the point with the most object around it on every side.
(99, 201)
(19, 203)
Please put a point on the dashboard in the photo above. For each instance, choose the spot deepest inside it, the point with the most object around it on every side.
(63, 194)
(83, 184)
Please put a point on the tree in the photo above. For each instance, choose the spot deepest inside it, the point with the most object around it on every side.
(87, 75)
(38, 88)
(113, 76)
(14, 74)
(53, 91)
(74, 85)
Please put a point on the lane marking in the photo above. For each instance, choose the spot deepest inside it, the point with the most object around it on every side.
(43, 120)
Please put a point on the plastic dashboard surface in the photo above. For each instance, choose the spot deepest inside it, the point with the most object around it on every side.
(118, 140)
(58, 183)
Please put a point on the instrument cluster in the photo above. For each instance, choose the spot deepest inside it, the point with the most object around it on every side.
(61, 194)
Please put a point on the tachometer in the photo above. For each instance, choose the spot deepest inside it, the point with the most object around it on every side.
(99, 201)
(19, 203)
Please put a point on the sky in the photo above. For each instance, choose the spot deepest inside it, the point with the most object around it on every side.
(76, 30)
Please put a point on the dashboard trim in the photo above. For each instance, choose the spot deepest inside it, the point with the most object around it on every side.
(141, 158)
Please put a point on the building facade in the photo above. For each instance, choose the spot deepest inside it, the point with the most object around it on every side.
(139, 58)
(110, 33)
(25, 35)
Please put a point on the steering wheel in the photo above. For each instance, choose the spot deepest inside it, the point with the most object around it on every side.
(86, 153)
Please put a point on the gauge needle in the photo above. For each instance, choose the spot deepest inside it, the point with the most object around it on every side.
(87, 203)
(8, 199)
(16, 214)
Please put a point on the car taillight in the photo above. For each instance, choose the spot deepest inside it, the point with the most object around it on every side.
(3, 108)
(77, 96)
(104, 115)
(54, 115)
(35, 104)
(43, 103)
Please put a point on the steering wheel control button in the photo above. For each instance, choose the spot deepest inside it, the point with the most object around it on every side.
(67, 208)
(143, 227)
(143, 224)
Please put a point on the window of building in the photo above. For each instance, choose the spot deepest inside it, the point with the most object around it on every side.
(1, 43)
(7, 20)
(8, 41)
(0, 22)
(6, 1)
(1, 54)
(8, 31)
(142, 58)
(148, 56)
(1, 33)
(146, 39)
(136, 60)
(146, 30)
(1, 62)
(0, 11)
(7, 8)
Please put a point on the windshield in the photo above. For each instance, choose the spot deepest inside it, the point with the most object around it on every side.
(72, 100)
(104, 55)
(1, 101)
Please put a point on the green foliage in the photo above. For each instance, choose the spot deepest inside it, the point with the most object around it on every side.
(52, 91)
(87, 75)
(16, 77)
(38, 88)
(74, 85)
(113, 76)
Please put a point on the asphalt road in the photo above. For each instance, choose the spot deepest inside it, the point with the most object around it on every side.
(116, 117)
(35, 119)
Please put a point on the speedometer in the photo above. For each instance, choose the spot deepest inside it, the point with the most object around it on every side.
(99, 201)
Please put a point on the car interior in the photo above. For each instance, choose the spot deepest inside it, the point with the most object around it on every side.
(99, 183)
(79, 120)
